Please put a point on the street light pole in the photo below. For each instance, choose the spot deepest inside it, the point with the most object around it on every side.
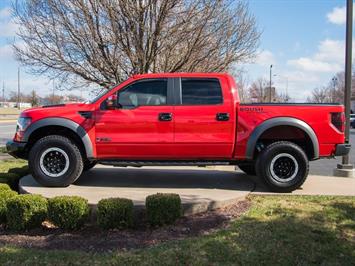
(348, 72)
(270, 83)
(345, 169)
(334, 84)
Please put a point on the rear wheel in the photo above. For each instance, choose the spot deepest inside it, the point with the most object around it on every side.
(55, 161)
(283, 166)
(248, 168)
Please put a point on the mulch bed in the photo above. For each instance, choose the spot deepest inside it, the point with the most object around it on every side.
(93, 239)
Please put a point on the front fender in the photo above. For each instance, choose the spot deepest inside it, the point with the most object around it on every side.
(63, 122)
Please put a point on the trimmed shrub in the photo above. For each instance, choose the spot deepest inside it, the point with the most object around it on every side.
(68, 212)
(4, 187)
(115, 213)
(26, 211)
(163, 208)
(5, 195)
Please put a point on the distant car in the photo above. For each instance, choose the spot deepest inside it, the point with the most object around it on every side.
(352, 120)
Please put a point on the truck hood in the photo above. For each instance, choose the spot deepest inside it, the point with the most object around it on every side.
(57, 110)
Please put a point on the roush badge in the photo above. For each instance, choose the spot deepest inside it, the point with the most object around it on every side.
(252, 109)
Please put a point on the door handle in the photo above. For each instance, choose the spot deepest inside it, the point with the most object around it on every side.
(222, 116)
(165, 116)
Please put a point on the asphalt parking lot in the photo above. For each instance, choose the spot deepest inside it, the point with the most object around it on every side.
(320, 167)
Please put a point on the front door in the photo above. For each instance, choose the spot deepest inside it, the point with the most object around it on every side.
(141, 127)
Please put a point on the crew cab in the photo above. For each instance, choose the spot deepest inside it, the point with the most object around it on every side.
(178, 119)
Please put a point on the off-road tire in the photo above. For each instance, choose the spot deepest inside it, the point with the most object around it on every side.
(88, 165)
(248, 168)
(73, 153)
(270, 167)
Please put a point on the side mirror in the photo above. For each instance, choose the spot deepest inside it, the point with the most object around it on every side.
(112, 102)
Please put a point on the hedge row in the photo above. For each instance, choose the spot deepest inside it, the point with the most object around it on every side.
(22, 212)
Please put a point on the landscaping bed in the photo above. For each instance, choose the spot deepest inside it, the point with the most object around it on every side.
(287, 230)
(92, 238)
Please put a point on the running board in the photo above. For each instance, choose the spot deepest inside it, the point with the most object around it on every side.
(163, 163)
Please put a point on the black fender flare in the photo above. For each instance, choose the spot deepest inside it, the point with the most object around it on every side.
(63, 122)
(280, 121)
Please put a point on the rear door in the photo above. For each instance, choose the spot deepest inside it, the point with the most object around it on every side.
(204, 119)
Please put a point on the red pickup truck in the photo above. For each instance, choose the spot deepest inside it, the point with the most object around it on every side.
(178, 119)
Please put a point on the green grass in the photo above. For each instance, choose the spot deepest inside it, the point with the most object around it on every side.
(3, 150)
(282, 230)
(12, 170)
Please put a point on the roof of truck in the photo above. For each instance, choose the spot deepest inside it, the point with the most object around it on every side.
(179, 74)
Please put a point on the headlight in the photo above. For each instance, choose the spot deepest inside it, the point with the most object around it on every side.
(23, 123)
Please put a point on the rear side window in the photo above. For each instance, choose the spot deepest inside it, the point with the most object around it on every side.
(201, 92)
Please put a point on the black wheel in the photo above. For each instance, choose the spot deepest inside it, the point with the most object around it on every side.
(55, 161)
(283, 166)
(248, 168)
(88, 165)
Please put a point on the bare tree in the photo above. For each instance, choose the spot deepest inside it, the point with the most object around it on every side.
(104, 41)
(242, 82)
(333, 92)
(257, 92)
(320, 95)
(34, 99)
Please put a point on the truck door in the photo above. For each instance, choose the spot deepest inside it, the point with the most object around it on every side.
(204, 119)
(142, 126)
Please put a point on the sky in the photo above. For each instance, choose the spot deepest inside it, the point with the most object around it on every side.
(302, 39)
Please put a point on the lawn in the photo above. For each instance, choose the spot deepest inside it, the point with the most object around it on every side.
(11, 170)
(283, 230)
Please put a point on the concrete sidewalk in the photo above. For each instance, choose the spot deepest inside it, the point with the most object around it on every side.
(200, 189)
(317, 185)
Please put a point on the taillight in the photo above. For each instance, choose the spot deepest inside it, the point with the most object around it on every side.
(338, 120)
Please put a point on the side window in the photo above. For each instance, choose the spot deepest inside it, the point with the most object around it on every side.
(145, 92)
(201, 91)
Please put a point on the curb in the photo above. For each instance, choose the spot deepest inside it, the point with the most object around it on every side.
(7, 120)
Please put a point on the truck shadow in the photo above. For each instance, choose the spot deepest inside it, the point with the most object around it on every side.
(165, 178)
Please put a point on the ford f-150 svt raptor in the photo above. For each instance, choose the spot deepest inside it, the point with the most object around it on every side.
(178, 119)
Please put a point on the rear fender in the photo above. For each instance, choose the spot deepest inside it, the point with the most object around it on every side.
(280, 121)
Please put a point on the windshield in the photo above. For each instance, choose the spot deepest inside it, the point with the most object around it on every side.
(101, 93)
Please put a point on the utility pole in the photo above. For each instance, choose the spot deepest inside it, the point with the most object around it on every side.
(53, 93)
(3, 91)
(18, 88)
(270, 83)
(346, 169)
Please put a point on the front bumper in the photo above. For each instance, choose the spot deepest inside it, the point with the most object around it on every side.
(342, 149)
(16, 149)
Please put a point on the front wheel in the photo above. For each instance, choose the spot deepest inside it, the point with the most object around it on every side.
(55, 161)
(283, 166)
